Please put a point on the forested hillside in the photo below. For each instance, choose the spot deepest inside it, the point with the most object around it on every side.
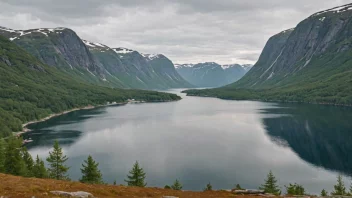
(30, 90)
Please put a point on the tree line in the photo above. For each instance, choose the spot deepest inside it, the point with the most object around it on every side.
(16, 160)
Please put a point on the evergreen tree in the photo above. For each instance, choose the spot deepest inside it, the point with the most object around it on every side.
(324, 193)
(238, 187)
(14, 163)
(295, 189)
(136, 176)
(57, 168)
(39, 170)
(90, 172)
(270, 185)
(208, 187)
(114, 183)
(167, 187)
(28, 160)
(177, 185)
(339, 187)
(2, 155)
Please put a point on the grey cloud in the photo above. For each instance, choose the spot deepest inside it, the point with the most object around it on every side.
(223, 31)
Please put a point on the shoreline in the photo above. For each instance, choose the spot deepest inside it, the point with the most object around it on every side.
(129, 101)
(25, 129)
(276, 101)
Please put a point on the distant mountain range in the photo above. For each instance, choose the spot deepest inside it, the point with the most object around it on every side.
(211, 74)
(309, 63)
(97, 63)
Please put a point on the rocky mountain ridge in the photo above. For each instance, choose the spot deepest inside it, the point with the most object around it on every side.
(211, 74)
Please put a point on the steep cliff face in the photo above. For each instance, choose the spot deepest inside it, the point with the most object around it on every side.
(165, 69)
(61, 48)
(310, 63)
(268, 58)
(211, 74)
(136, 70)
(291, 53)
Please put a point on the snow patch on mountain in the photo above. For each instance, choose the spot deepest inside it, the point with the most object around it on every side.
(338, 9)
(122, 50)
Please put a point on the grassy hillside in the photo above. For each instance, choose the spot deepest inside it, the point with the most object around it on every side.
(30, 90)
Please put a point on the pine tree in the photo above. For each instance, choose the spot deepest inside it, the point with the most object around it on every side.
(2, 155)
(177, 185)
(295, 189)
(90, 172)
(14, 163)
(39, 170)
(136, 176)
(270, 185)
(324, 193)
(238, 187)
(208, 187)
(114, 183)
(167, 187)
(28, 160)
(339, 187)
(57, 168)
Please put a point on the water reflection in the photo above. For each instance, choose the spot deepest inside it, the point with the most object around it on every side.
(201, 140)
(320, 135)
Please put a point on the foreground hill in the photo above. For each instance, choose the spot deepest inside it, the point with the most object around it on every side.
(211, 74)
(310, 63)
(13, 186)
(31, 90)
(94, 62)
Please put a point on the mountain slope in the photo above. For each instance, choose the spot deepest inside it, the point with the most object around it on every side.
(61, 48)
(136, 70)
(311, 63)
(211, 74)
(93, 62)
(31, 90)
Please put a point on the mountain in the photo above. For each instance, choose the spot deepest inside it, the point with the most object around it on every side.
(31, 90)
(94, 62)
(61, 48)
(310, 63)
(136, 70)
(211, 74)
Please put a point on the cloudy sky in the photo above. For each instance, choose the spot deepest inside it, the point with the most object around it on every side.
(187, 31)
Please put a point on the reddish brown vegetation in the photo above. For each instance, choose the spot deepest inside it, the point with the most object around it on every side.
(12, 186)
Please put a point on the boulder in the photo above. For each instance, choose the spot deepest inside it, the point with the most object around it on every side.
(78, 194)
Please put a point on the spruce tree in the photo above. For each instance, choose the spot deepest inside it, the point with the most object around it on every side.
(270, 185)
(57, 168)
(177, 185)
(238, 187)
(39, 170)
(90, 172)
(136, 176)
(339, 187)
(2, 155)
(28, 160)
(324, 193)
(14, 163)
(208, 187)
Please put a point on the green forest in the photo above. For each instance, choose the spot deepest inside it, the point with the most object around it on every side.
(31, 90)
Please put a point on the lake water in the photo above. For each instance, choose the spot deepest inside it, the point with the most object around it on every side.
(201, 140)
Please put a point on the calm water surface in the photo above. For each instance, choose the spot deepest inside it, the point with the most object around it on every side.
(201, 140)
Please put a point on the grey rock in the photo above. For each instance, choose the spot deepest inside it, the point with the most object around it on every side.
(78, 194)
